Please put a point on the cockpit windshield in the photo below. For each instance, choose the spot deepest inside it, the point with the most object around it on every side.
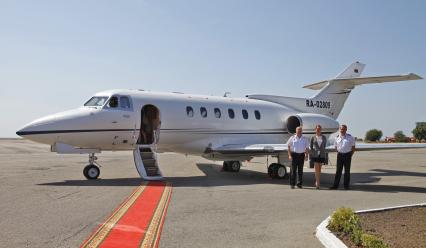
(96, 101)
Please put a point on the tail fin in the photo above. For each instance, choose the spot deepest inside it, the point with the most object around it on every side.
(352, 71)
(335, 92)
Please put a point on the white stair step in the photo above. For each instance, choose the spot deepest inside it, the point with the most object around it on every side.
(146, 163)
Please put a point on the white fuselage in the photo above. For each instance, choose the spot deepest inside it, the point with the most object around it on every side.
(107, 128)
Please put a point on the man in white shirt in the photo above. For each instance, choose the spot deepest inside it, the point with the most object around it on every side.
(297, 153)
(345, 146)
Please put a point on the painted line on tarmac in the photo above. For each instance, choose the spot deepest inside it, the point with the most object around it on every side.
(137, 222)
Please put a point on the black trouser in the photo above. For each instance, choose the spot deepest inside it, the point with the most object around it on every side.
(343, 160)
(297, 161)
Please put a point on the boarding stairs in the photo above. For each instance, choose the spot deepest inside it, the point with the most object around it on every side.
(146, 162)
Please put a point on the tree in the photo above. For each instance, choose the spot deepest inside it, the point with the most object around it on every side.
(400, 136)
(373, 135)
(419, 131)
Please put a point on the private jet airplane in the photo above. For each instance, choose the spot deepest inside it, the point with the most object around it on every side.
(217, 128)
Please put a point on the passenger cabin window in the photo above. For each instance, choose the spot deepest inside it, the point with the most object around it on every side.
(124, 102)
(96, 101)
(217, 113)
(257, 114)
(189, 111)
(113, 102)
(245, 114)
(231, 113)
(203, 112)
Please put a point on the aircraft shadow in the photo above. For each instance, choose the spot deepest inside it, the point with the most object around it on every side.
(215, 177)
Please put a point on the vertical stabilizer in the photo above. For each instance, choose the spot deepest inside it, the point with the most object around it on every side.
(352, 71)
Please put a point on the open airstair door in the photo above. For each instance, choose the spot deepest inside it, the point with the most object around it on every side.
(146, 162)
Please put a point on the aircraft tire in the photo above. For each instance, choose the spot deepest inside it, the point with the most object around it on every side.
(226, 166)
(91, 172)
(281, 172)
(272, 170)
(235, 166)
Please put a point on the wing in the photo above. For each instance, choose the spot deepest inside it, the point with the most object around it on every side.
(274, 149)
(251, 149)
(381, 146)
(388, 146)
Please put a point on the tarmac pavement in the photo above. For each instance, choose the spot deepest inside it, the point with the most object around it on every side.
(45, 201)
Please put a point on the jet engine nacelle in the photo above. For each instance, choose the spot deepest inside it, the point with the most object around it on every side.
(309, 121)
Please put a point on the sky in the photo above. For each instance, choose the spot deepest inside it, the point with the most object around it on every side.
(55, 54)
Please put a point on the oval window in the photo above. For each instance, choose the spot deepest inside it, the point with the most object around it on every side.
(189, 111)
(245, 114)
(217, 113)
(257, 114)
(231, 113)
(203, 112)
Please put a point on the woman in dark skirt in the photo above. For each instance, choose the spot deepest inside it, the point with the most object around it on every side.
(317, 153)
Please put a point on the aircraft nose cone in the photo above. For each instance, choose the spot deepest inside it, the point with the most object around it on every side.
(20, 132)
(26, 130)
(36, 127)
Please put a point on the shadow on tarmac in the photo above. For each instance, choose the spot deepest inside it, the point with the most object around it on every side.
(215, 177)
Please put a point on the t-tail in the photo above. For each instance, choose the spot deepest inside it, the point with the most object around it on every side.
(333, 93)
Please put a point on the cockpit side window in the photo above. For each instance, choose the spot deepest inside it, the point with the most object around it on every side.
(96, 101)
(113, 102)
(124, 102)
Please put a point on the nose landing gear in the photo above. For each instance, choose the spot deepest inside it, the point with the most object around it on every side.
(92, 171)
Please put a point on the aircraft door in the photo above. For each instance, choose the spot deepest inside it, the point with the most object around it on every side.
(150, 124)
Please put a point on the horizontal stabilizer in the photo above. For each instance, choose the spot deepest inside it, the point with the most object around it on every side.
(351, 82)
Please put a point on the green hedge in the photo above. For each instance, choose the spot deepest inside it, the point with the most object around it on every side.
(344, 220)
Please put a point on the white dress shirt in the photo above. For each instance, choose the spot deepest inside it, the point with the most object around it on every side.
(298, 145)
(344, 143)
(319, 140)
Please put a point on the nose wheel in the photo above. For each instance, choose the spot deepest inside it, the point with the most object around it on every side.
(91, 171)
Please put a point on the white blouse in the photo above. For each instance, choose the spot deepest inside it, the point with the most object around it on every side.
(319, 140)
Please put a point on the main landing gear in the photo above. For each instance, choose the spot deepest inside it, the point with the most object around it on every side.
(277, 171)
(92, 171)
(233, 166)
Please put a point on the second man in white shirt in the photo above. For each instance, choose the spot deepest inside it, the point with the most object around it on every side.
(297, 153)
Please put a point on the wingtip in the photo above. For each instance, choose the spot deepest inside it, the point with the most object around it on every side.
(414, 76)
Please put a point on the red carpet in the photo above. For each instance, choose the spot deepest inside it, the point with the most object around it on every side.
(137, 222)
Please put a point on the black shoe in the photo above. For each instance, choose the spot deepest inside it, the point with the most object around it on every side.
(299, 186)
(347, 188)
(317, 187)
(333, 188)
(292, 186)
